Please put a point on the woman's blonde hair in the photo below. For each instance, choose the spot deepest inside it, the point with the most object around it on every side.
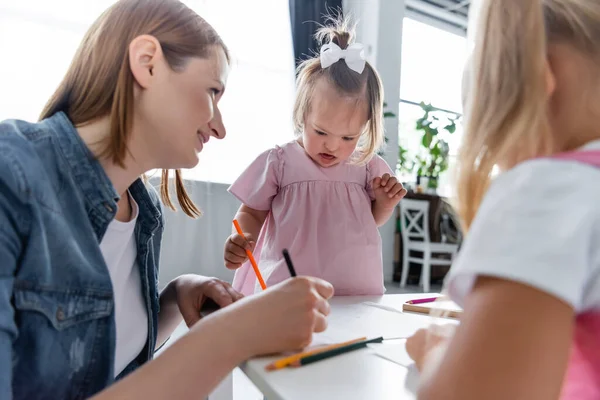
(506, 102)
(99, 81)
(365, 86)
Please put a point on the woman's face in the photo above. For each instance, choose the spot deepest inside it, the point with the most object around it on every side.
(178, 113)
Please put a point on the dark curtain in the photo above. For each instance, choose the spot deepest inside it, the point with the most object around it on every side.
(305, 15)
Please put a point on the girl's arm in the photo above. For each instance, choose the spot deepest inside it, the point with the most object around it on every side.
(512, 343)
(381, 212)
(388, 192)
(251, 220)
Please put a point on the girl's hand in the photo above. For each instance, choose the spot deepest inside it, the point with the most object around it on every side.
(423, 341)
(388, 191)
(235, 250)
(282, 318)
(192, 291)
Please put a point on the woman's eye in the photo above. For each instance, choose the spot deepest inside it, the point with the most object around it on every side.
(320, 133)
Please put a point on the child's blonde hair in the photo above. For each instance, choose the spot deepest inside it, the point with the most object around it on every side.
(506, 107)
(100, 83)
(366, 85)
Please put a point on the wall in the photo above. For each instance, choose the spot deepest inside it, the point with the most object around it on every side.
(196, 246)
(380, 31)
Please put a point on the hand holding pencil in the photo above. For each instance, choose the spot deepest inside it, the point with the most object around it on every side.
(284, 317)
(235, 245)
(235, 249)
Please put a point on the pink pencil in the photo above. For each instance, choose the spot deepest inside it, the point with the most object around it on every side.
(427, 300)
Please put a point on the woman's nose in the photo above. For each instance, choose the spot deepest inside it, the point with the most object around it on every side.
(216, 126)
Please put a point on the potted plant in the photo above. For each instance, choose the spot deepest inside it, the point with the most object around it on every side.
(432, 160)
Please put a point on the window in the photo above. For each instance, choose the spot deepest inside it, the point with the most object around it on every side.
(40, 38)
(257, 106)
(432, 67)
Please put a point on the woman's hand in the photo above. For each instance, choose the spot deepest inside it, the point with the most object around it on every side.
(281, 318)
(192, 291)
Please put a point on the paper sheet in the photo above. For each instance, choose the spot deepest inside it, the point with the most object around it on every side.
(394, 352)
(360, 320)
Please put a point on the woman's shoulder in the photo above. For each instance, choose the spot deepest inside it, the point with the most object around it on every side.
(18, 159)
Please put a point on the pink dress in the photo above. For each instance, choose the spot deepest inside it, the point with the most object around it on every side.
(321, 215)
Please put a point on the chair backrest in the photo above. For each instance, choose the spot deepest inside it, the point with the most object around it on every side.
(414, 220)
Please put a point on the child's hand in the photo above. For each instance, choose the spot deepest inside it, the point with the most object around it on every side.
(423, 341)
(388, 191)
(235, 250)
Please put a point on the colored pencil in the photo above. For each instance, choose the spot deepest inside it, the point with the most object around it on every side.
(427, 300)
(323, 355)
(288, 261)
(238, 228)
(286, 361)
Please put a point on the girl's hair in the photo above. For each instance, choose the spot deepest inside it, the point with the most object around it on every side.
(99, 81)
(505, 111)
(365, 87)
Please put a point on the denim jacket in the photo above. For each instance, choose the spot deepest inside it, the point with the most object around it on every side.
(57, 325)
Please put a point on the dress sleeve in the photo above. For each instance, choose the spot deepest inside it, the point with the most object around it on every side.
(259, 183)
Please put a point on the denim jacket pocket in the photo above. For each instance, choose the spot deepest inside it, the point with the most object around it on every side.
(63, 341)
(64, 308)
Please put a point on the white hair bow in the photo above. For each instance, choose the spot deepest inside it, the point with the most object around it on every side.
(354, 56)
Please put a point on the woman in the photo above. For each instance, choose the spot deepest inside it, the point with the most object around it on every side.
(80, 232)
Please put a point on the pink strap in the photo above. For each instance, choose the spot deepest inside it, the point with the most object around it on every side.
(591, 157)
(582, 380)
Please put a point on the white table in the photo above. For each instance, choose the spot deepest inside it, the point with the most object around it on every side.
(360, 374)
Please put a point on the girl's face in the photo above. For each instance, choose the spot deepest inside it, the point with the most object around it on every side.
(178, 112)
(333, 125)
(574, 96)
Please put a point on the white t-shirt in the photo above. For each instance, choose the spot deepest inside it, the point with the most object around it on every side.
(539, 224)
(119, 249)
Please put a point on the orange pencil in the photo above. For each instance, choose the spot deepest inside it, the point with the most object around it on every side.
(238, 228)
(287, 361)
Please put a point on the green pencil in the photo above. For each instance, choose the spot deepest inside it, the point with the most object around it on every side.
(332, 353)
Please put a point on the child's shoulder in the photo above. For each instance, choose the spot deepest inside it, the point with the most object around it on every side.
(282, 150)
(290, 153)
(560, 183)
(289, 148)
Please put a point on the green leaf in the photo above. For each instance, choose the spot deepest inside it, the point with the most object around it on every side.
(427, 107)
(388, 114)
(451, 127)
(427, 138)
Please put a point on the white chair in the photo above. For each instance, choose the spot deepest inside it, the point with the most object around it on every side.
(414, 224)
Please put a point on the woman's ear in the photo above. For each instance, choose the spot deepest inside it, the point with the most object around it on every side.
(144, 52)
